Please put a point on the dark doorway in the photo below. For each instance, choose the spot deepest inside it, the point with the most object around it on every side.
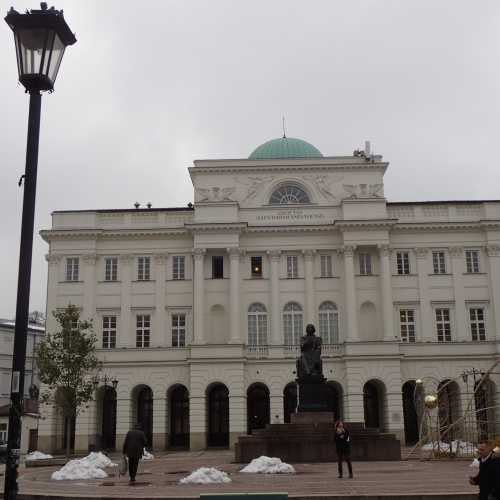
(258, 407)
(33, 440)
(410, 412)
(335, 400)
(217, 267)
(448, 409)
(289, 401)
(145, 413)
(481, 402)
(371, 405)
(218, 416)
(179, 417)
(109, 419)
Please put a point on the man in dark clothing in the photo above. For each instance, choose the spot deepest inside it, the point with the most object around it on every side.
(343, 446)
(488, 478)
(133, 448)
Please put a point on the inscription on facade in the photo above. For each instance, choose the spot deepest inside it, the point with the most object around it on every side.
(291, 215)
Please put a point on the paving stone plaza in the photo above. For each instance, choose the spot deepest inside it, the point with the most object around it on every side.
(160, 477)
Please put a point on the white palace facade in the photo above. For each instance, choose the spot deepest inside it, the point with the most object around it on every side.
(199, 309)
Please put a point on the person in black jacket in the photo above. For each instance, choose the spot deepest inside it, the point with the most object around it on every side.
(133, 449)
(343, 446)
(488, 478)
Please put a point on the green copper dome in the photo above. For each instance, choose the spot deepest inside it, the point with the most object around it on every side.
(285, 147)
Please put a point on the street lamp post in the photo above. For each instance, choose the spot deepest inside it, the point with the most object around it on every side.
(41, 37)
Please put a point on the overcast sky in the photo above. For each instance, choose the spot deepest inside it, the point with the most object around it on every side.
(151, 86)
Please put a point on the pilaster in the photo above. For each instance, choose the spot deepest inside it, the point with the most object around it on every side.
(386, 286)
(350, 293)
(160, 328)
(426, 333)
(234, 295)
(125, 338)
(309, 280)
(89, 286)
(275, 258)
(493, 251)
(52, 284)
(199, 296)
(457, 267)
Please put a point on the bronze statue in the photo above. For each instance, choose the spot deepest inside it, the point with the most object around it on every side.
(309, 363)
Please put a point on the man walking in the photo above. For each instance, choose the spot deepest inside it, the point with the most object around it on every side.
(133, 448)
(488, 478)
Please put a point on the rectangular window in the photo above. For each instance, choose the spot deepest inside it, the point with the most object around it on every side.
(109, 332)
(477, 324)
(403, 262)
(256, 264)
(438, 263)
(365, 263)
(217, 267)
(472, 261)
(3, 433)
(292, 266)
(407, 325)
(179, 267)
(443, 325)
(178, 330)
(111, 271)
(143, 268)
(326, 266)
(72, 269)
(143, 330)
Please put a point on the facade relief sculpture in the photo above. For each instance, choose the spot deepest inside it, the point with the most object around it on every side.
(363, 190)
(215, 194)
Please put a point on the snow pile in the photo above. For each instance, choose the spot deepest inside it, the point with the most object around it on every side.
(37, 455)
(206, 475)
(146, 455)
(457, 446)
(90, 467)
(268, 465)
(474, 468)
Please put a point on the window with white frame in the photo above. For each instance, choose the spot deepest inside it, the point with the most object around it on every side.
(3, 433)
(292, 266)
(111, 269)
(109, 332)
(438, 262)
(143, 268)
(403, 262)
(407, 325)
(69, 327)
(292, 323)
(329, 323)
(257, 325)
(326, 266)
(443, 325)
(72, 269)
(365, 263)
(477, 324)
(179, 267)
(472, 261)
(178, 330)
(143, 330)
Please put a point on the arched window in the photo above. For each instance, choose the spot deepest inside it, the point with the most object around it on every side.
(329, 323)
(287, 194)
(292, 323)
(257, 325)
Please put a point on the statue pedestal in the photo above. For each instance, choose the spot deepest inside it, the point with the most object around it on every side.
(313, 393)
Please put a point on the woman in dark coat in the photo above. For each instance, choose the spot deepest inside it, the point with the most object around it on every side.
(343, 446)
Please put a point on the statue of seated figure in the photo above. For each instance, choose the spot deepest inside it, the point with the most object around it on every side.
(309, 363)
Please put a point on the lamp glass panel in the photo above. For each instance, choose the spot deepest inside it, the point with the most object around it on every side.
(55, 58)
(32, 45)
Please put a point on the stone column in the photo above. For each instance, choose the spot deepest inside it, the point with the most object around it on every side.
(275, 258)
(52, 284)
(126, 326)
(425, 331)
(89, 286)
(234, 295)
(199, 296)
(457, 268)
(350, 294)
(386, 286)
(159, 337)
(309, 279)
(493, 252)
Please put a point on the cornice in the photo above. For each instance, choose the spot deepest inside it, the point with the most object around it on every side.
(439, 226)
(84, 234)
(216, 227)
(374, 224)
(291, 229)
